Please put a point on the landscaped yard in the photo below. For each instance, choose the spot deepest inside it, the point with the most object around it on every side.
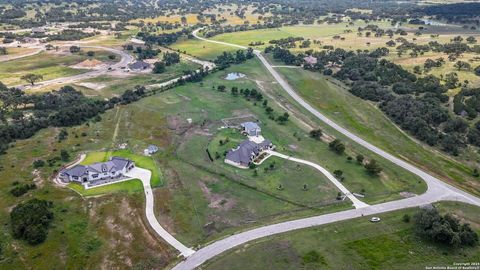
(354, 244)
(130, 186)
(127, 186)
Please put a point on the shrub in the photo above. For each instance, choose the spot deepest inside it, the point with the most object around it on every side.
(21, 189)
(337, 146)
(316, 134)
(38, 163)
(30, 221)
(372, 167)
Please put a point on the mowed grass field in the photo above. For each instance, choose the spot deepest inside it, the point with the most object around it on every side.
(354, 244)
(201, 49)
(317, 31)
(364, 119)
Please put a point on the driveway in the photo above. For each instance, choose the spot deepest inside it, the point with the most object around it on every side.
(356, 202)
(437, 190)
(145, 175)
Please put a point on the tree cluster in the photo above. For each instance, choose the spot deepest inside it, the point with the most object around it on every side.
(445, 229)
(31, 220)
(227, 58)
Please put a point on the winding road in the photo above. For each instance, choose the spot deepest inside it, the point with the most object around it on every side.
(437, 189)
(144, 176)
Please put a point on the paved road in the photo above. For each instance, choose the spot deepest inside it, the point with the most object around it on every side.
(145, 175)
(356, 202)
(437, 190)
(6, 58)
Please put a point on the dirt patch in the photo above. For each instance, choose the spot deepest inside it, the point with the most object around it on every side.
(37, 178)
(94, 86)
(406, 194)
(293, 146)
(178, 124)
(90, 64)
(216, 201)
(173, 122)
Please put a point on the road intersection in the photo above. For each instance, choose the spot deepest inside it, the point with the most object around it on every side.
(437, 189)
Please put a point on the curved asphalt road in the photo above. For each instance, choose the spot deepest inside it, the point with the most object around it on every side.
(437, 190)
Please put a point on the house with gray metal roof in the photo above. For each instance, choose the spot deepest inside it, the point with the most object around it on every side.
(113, 168)
(150, 150)
(246, 153)
(251, 128)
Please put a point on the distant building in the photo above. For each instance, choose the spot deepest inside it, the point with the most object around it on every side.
(28, 40)
(246, 152)
(38, 30)
(113, 168)
(310, 60)
(150, 150)
(139, 65)
(250, 128)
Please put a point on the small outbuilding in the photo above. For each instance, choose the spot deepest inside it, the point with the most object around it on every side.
(150, 150)
(139, 65)
(250, 128)
(38, 30)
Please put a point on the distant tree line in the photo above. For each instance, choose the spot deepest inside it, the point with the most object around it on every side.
(69, 34)
(22, 115)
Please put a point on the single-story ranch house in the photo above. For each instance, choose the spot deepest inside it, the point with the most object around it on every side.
(246, 152)
(113, 168)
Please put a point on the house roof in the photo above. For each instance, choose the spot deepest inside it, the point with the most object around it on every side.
(250, 125)
(77, 170)
(310, 60)
(243, 153)
(38, 30)
(152, 148)
(114, 164)
(139, 65)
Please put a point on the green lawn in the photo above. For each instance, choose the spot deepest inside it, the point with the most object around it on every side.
(364, 119)
(130, 186)
(144, 162)
(322, 32)
(201, 49)
(289, 175)
(354, 244)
